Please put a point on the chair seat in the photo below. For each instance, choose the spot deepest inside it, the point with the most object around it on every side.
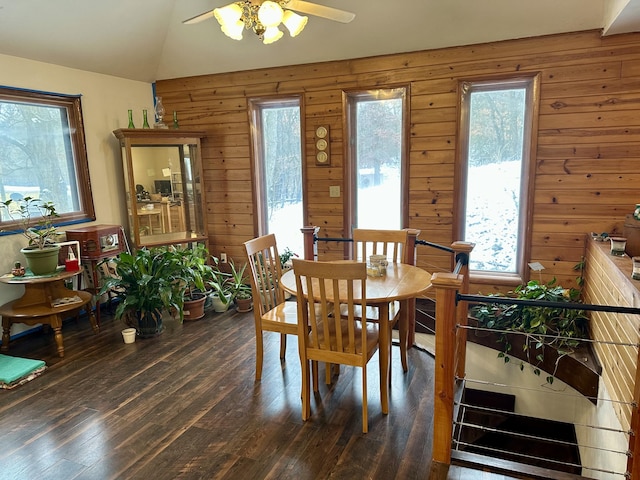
(282, 318)
(372, 337)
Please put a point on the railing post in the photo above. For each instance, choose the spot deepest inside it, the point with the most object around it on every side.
(411, 245)
(410, 258)
(309, 232)
(446, 285)
(462, 312)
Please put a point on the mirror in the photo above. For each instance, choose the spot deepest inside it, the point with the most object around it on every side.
(164, 191)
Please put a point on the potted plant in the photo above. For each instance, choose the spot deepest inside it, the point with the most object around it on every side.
(552, 326)
(240, 290)
(42, 252)
(285, 264)
(196, 274)
(285, 259)
(148, 284)
(222, 285)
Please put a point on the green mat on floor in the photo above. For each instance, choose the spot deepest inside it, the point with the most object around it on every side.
(15, 371)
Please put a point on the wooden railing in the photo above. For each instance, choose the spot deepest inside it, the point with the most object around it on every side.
(451, 313)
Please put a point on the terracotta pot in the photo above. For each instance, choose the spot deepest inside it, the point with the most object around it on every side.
(194, 308)
(244, 305)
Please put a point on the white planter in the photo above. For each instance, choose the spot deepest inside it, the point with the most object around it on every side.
(218, 305)
(129, 335)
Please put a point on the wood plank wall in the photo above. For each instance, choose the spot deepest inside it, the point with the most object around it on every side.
(587, 172)
(608, 282)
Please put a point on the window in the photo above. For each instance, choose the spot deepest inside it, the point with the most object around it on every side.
(495, 150)
(376, 158)
(43, 154)
(277, 153)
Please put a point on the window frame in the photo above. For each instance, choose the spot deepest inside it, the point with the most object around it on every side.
(530, 127)
(76, 140)
(349, 99)
(255, 108)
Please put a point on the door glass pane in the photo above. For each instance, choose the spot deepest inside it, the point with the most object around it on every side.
(494, 178)
(282, 179)
(378, 160)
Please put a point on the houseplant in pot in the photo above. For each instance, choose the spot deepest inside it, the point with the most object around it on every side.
(196, 273)
(148, 284)
(222, 285)
(36, 217)
(240, 290)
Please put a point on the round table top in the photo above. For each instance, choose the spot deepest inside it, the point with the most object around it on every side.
(59, 275)
(402, 281)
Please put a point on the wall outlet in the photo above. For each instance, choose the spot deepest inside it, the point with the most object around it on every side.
(334, 191)
(223, 258)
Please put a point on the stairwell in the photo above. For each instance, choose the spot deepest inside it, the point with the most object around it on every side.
(487, 425)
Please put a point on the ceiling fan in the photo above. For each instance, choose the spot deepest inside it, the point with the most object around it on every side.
(264, 17)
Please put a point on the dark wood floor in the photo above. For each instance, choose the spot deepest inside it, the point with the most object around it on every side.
(185, 405)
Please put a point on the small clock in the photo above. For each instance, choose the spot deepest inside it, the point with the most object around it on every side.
(322, 145)
(321, 132)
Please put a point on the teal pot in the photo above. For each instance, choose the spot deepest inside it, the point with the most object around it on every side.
(42, 261)
(147, 324)
(194, 306)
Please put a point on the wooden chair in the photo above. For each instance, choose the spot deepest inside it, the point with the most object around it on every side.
(324, 335)
(271, 312)
(392, 244)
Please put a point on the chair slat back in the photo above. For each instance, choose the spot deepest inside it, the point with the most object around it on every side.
(329, 307)
(264, 263)
(391, 243)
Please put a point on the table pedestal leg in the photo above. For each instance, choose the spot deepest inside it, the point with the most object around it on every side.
(403, 330)
(385, 356)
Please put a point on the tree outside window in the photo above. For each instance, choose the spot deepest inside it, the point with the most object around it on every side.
(495, 139)
(277, 149)
(376, 157)
(43, 154)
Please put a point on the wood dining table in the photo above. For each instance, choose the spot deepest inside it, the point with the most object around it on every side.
(401, 282)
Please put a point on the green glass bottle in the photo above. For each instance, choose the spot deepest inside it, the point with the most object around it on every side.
(145, 122)
(175, 119)
(131, 125)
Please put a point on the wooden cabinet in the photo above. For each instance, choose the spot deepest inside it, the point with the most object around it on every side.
(163, 186)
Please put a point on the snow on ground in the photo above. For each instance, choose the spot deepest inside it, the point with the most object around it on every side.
(492, 210)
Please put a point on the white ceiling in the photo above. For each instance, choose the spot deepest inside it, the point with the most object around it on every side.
(146, 40)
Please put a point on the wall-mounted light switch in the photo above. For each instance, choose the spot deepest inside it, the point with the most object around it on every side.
(334, 191)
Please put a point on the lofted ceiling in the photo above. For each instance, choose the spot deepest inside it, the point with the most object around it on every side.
(146, 39)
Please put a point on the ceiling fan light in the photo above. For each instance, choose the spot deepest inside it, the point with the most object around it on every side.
(228, 15)
(233, 30)
(295, 23)
(271, 35)
(270, 14)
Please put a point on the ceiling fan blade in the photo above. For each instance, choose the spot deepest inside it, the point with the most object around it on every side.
(320, 11)
(198, 18)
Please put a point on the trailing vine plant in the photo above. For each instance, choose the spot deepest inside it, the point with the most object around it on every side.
(557, 327)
